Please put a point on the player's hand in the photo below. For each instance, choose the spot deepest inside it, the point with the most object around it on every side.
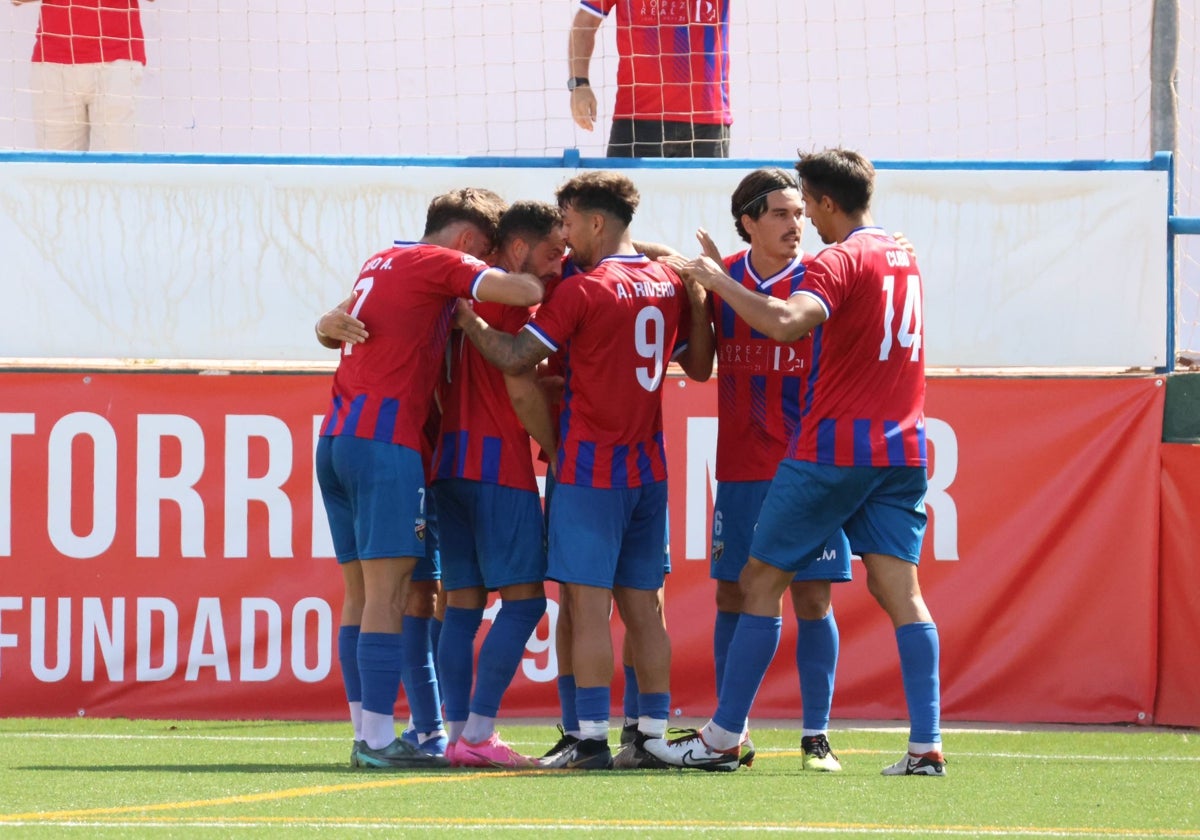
(704, 270)
(903, 242)
(338, 325)
(708, 247)
(583, 107)
(464, 314)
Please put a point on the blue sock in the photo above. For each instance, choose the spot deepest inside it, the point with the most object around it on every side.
(593, 703)
(817, 645)
(722, 633)
(501, 653)
(630, 699)
(456, 659)
(348, 657)
(380, 661)
(657, 707)
(435, 636)
(420, 680)
(750, 653)
(566, 699)
(919, 655)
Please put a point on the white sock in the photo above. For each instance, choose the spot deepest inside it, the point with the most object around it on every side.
(356, 719)
(478, 728)
(812, 733)
(379, 730)
(594, 729)
(653, 727)
(718, 738)
(921, 749)
(454, 729)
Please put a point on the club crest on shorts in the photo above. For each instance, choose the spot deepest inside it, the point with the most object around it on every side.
(419, 529)
(718, 548)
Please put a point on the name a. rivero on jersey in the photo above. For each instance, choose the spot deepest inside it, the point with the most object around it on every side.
(646, 288)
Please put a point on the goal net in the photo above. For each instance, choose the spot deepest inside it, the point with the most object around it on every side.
(901, 80)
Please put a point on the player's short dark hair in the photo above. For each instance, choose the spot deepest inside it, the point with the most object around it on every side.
(482, 208)
(845, 176)
(531, 221)
(750, 197)
(599, 191)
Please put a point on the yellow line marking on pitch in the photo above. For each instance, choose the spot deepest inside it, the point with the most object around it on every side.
(249, 798)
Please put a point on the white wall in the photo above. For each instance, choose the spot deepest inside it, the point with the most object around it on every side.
(174, 261)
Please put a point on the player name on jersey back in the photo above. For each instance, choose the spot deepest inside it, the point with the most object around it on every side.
(645, 288)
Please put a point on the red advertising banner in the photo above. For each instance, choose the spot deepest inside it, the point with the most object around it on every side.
(1178, 701)
(163, 553)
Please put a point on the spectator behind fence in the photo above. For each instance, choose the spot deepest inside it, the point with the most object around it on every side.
(87, 66)
(672, 76)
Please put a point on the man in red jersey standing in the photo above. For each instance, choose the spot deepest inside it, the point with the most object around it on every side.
(856, 460)
(87, 66)
(618, 325)
(761, 383)
(672, 76)
(369, 455)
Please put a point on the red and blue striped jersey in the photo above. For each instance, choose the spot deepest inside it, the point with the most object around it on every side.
(383, 388)
(864, 404)
(481, 438)
(759, 380)
(618, 326)
(673, 59)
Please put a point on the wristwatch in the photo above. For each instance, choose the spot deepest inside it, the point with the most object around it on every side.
(577, 81)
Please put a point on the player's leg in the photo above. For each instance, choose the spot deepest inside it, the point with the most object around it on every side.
(735, 512)
(380, 647)
(569, 726)
(521, 607)
(586, 527)
(794, 517)
(638, 591)
(888, 532)
(340, 515)
(420, 675)
(385, 484)
(817, 647)
(511, 551)
(466, 598)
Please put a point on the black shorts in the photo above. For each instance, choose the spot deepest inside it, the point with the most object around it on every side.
(662, 139)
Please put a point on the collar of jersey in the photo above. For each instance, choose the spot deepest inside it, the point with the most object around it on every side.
(866, 229)
(625, 258)
(766, 283)
(404, 243)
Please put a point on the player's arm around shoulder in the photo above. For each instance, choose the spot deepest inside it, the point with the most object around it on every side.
(338, 325)
(513, 354)
(515, 289)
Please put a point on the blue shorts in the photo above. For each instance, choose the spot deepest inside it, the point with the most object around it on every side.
(429, 567)
(881, 509)
(735, 514)
(374, 496)
(550, 484)
(491, 535)
(608, 537)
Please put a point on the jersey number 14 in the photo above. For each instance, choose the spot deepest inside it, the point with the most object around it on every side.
(906, 333)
